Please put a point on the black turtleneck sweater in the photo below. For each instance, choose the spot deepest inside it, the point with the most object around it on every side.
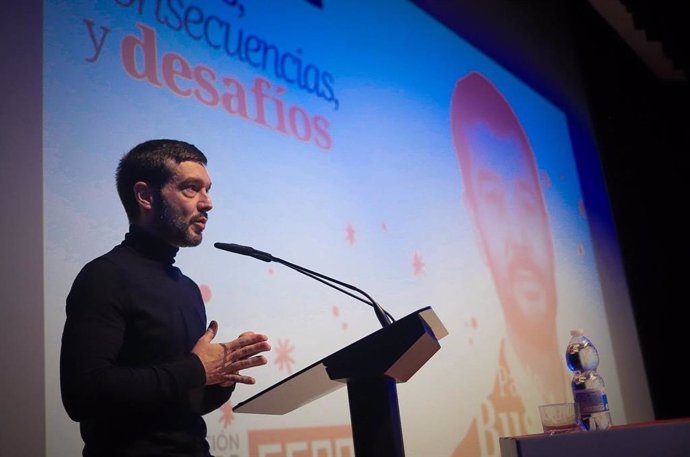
(127, 373)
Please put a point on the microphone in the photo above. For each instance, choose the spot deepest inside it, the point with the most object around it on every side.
(383, 316)
(245, 250)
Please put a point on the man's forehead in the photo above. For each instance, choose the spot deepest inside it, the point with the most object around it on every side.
(187, 169)
(504, 154)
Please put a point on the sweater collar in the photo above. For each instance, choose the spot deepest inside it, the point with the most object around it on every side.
(149, 245)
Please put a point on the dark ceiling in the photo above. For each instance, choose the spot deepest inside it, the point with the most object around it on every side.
(656, 30)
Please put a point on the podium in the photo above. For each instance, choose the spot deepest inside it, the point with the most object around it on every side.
(370, 367)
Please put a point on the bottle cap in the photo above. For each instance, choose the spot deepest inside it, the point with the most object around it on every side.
(577, 332)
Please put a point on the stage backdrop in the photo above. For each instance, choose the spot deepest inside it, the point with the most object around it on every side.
(335, 136)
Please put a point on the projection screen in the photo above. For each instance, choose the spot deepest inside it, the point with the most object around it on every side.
(362, 140)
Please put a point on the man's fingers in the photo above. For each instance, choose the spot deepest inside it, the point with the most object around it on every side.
(210, 332)
(247, 339)
(237, 378)
(245, 352)
(249, 362)
(223, 361)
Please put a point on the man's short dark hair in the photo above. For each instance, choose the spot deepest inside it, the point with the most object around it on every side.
(148, 162)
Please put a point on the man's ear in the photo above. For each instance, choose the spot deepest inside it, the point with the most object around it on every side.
(144, 195)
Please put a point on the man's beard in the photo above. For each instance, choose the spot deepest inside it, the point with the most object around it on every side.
(174, 228)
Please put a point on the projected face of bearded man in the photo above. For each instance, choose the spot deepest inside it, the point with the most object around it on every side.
(180, 208)
(504, 197)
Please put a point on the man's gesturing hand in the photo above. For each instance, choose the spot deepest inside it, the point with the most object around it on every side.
(223, 361)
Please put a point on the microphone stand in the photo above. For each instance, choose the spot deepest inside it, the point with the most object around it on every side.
(383, 316)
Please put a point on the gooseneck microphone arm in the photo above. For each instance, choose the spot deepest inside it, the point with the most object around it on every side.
(383, 316)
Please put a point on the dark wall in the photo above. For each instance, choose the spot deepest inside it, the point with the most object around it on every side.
(642, 126)
(22, 386)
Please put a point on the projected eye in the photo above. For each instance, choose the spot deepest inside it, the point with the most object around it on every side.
(527, 201)
(492, 193)
(493, 197)
(490, 189)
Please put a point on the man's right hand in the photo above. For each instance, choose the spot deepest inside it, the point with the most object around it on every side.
(223, 361)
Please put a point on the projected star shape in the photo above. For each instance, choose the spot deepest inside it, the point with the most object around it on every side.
(226, 415)
(283, 359)
(336, 313)
(418, 265)
(350, 234)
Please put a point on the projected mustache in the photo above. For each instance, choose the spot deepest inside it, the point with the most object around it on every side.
(524, 273)
(521, 259)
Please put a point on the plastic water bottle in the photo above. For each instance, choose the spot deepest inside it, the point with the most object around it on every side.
(589, 392)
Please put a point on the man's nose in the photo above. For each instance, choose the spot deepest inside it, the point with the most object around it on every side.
(520, 228)
(205, 202)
